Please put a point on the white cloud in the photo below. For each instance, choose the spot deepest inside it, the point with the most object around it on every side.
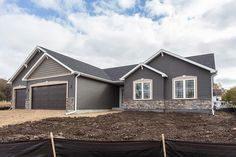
(126, 4)
(113, 39)
(156, 8)
(47, 4)
(61, 5)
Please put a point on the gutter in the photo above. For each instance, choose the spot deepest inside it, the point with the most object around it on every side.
(76, 91)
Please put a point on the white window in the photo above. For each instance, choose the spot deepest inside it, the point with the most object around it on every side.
(142, 89)
(185, 87)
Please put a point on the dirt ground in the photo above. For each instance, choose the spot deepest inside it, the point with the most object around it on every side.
(220, 128)
(10, 117)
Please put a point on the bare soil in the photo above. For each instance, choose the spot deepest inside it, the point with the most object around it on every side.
(220, 128)
(10, 117)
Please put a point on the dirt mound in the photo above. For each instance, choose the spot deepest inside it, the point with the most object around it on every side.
(130, 126)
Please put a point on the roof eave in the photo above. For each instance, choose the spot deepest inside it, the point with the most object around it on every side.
(26, 61)
(179, 57)
(139, 65)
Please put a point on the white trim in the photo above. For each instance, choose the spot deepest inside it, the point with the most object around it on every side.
(14, 91)
(76, 91)
(212, 103)
(72, 71)
(179, 57)
(143, 65)
(48, 77)
(41, 59)
(142, 81)
(121, 94)
(47, 83)
(98, 78)
(31, 55)
(184, 79)
(38, 63)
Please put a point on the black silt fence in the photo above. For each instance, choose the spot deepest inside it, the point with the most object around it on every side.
(75, 148)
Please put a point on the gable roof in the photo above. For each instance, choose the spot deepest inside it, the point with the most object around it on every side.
(205, 59)
(117, 72)
(160, 52)
(112, 75)
(146, 66)
(77, 65)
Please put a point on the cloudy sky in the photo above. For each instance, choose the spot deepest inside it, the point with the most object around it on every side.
(113, 33)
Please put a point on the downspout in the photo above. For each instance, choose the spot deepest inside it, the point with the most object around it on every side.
(76, 92)
(212, 103)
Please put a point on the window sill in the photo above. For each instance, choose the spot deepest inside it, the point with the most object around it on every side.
(184, 98)
(142, 99)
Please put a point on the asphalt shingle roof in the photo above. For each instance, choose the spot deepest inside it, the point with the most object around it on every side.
(116, 73)
(77, 65)
(206, 59)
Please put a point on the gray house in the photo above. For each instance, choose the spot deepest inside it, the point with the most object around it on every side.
(165, 81)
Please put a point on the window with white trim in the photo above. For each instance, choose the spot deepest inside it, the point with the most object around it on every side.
(185, 87)
(142, 89)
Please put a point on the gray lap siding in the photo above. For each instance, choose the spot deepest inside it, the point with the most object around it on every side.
(157, 83)
(96, 95)
(174, 67)
(162, 87)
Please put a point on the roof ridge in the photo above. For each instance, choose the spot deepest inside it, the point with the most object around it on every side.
(119, 66)
(200, 55)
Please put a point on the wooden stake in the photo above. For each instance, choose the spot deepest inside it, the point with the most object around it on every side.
(53, 145)
(163, 144)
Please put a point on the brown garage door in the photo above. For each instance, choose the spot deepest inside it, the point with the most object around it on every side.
(49, 97)
(20, 95)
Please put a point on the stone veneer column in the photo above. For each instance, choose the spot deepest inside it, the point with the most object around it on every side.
(70, 104)
(27, 104)
(13, 104)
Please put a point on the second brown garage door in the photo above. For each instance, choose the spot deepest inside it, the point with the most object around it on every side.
(49, 97)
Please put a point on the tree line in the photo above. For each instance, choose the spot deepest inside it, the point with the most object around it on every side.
(5, 90)
(230, 96)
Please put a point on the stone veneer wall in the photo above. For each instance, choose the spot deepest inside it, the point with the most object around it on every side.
(143, 105)
(196, 104)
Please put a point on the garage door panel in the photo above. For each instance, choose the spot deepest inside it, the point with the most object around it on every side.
(49, 97)
(20, 96)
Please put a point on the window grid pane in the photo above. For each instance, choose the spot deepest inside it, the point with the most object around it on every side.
(179, 90)
(138, 90)
(142, 90)
(146, 90)
(189, 88)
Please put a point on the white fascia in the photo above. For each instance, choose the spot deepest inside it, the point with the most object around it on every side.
(98, 78)
(143, 65)
(24, 64)
(40, 61)
(179, 57)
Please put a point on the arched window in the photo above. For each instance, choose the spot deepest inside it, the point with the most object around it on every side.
(142, 89)
(184, 87)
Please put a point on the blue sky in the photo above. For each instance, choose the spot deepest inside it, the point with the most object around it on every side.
(113, 33)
